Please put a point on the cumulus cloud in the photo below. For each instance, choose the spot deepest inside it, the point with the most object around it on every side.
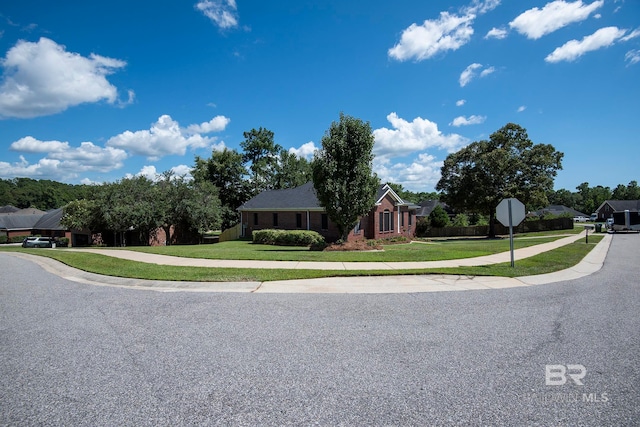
(165, 137)
(29, 144)
(217, 124)
(42, 78)
(423, 171)
(151, 173)
(461, 102)
(496, 33)
(449, 31)
(223, 13)
(466, 121)
(305, 151)
(410, 137)
(62, 161)
(573, 49)
(521, 108)
(535, 23)
(470, 73)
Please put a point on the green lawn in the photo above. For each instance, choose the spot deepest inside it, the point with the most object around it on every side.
(434, 251)
(555, 260)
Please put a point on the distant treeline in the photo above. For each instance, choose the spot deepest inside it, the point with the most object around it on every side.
(40, 194)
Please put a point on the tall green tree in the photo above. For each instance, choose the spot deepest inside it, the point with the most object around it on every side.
(261, 153)
(291, 171)
(509, 164)
(343, 173)
(226, 171)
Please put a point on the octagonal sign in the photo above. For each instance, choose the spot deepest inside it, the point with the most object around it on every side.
(517, 211)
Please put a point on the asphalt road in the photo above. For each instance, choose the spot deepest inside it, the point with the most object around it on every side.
(75, 354)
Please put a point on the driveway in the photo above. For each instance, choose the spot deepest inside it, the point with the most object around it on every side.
(78, 354)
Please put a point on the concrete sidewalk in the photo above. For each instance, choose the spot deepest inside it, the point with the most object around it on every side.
(366, 284)
(313, 265)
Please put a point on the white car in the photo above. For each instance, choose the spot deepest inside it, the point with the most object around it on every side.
(580, 219)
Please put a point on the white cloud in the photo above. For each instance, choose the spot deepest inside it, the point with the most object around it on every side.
(29, 144)
(165, 137)
(535, 22)
(466, 121)
(217, 124)
(409, 137)
(447, 32)
(43, 78)
(496, 33)
(148, 172)
(487, 71)
(63, 162)
(633, 56)
(470, 73)
(306, 150)
(415, 175)
(223, 13)
(86, 157)
(461, 102)
(573, 49)
(182, 170)
(632, 35)
(521, 108)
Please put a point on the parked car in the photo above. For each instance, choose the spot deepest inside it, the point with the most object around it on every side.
(580, 219)
(609, 222)
(594, 217)
(38, 242)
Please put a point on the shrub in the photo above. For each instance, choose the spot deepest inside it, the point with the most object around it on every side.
(288, 238)
(3, 239)
(63, 242)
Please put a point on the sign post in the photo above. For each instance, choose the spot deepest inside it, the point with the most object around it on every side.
(510, 212)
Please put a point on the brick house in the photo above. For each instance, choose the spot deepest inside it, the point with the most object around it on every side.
(299, 209)
(33, 222)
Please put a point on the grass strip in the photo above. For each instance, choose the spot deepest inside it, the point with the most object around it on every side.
(547, 262)
(438, 251)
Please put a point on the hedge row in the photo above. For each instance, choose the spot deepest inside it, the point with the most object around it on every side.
(14, 239)
(288, 238)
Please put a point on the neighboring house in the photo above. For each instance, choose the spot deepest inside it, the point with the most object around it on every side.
(559, 210)
(299, 209)
(30, 222)
(427, 206)
(608, 207)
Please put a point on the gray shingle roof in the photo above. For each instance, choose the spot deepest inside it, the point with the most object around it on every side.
(299, 198)
(623, 205)
(559, 210)
(50, 221)
(17, 221)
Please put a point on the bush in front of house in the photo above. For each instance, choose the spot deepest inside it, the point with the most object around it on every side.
(288, 238)
(62, 242)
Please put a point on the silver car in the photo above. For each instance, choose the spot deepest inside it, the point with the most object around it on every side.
(37, 242)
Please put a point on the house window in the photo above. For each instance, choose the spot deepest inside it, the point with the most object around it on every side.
(325, 221)
(275, 219)
(401, 219)
(299, 220)
(410, 219)
(255, 218)
(386, 221)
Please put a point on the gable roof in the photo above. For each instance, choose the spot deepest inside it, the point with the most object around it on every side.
(8, 209)
(299, 198)
(621, 205)
(303, 198)
(50, 221)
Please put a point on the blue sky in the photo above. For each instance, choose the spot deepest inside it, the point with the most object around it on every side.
(96, 91)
